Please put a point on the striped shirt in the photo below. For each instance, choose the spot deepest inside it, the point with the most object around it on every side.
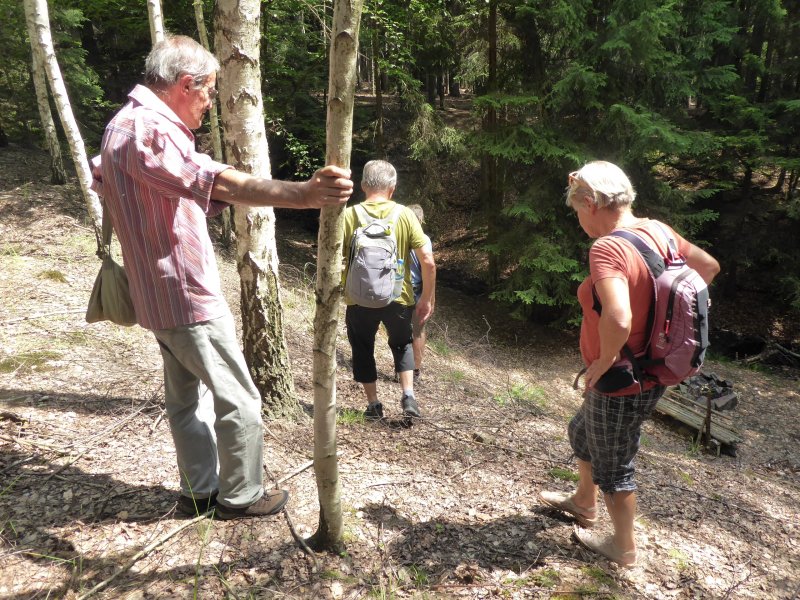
(157, 190)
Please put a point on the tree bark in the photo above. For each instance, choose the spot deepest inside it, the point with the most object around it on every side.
(58, 175)
(237, 43)
(491, 194)
(216, 138)
(156, 20)
(343, 55)
(379, 151)
(36, 12)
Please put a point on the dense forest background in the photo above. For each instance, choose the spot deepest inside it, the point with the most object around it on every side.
(698, 100)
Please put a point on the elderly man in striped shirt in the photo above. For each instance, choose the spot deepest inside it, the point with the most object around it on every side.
(159, 191)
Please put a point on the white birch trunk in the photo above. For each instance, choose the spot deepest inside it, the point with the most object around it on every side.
(237, 44)
(57, 173)
(341, 93)
(36, 11)
(156, 20)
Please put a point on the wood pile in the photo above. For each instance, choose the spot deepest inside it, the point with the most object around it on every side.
(700, 402)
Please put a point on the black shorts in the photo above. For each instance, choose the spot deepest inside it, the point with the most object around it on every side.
(362, 327)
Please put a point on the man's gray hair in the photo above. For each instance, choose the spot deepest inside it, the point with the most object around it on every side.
(379, 176)
(605, 182)
(177, 55)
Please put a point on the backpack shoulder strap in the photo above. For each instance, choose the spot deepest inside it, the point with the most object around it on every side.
(672, 246)
(395, 214)
(652, 258)
(362, 216)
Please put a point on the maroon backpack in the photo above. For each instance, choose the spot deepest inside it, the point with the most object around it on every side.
(678, 317)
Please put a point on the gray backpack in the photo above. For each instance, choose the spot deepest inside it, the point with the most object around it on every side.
(375, 273)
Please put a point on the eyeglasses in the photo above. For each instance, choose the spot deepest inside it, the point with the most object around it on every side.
(210, 90)
(573, 178)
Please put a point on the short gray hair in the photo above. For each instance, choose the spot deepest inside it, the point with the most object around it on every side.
(604, 181)
(379, 176)
(177, 55)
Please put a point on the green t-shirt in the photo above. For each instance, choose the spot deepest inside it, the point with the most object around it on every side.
(408, 234)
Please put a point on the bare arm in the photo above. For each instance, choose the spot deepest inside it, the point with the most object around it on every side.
(330, 186)
(428, 272)
(614, 327)
(702, 262)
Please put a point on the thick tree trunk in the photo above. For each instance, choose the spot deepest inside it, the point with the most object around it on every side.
(156, 20)
(343, 55)
(58, 175)
(237, 42)
(36, 12)
(216, 138)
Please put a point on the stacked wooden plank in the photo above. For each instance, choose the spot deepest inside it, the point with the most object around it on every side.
(700, 415)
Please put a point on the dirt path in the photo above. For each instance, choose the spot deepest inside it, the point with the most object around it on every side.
(446, 509)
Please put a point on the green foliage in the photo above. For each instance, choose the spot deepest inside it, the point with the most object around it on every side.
(564, 474)
(522, 394)
(350, 416)
(598, 574)
(689, 98)
(548, 578)
(27, 362)
(432, 138)
(20, 116)
(53, 275)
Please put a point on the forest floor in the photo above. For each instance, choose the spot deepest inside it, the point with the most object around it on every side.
(445, 509)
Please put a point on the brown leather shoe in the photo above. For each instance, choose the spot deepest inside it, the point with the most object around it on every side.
(271, 503)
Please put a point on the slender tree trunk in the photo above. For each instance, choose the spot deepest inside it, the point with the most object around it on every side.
(430, 87)
(343, 55)
(455, 87)
(379, 151)
(58, 175)
(237, 43)
(36, 12)
(216, 138)
(156, 20)
(491, 193)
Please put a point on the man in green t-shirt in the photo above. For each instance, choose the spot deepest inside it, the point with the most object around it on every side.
(379, 181)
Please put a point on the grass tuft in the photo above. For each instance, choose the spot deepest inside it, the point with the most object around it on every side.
(28, 361)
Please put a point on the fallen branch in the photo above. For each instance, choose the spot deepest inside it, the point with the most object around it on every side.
(41, 445)
(300, 541)
(775, 354)
(300, 469)
(141, 554)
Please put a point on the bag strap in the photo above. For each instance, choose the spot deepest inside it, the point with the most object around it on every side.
(362, 216)
(652, 258)
(104, 240)
(673, 254)
(395, 214)
(656, 264)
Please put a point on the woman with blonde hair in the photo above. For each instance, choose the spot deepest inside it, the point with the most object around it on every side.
(604, 434)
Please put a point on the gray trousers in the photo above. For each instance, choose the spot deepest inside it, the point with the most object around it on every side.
(214, 412)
